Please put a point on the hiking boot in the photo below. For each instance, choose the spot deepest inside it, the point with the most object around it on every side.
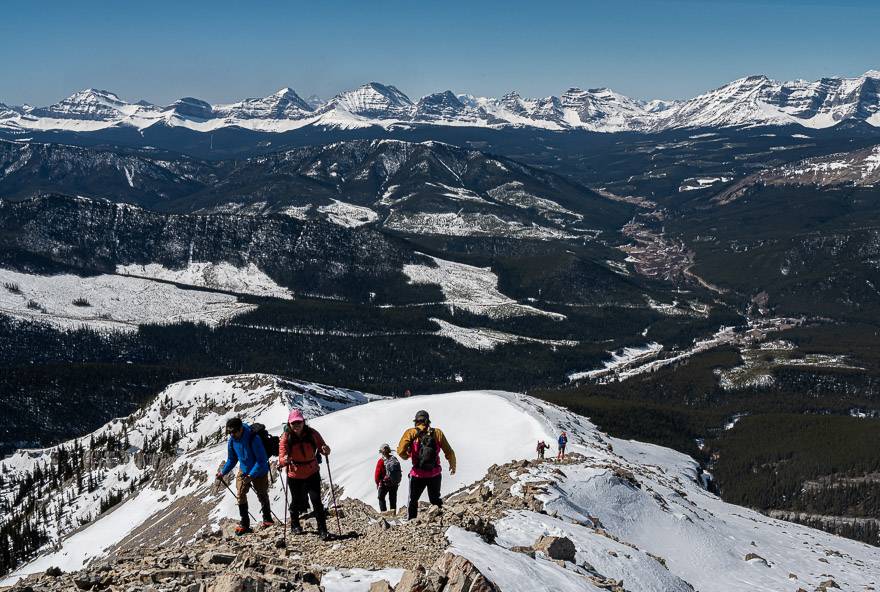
(296, 529)
(241, 530)
(266, 523)
(325, 536)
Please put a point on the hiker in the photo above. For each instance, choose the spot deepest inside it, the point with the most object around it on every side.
(407, 394)
(423, 443)
(541, 448)
(563, 440)
(387, 476)
(298, 451)
(246, 448)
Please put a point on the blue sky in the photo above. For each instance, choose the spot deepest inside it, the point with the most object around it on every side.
(222, 51)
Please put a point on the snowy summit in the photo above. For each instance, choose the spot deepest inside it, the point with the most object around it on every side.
(631, 513)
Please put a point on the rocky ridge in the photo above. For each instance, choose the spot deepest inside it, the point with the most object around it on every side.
(383, 544)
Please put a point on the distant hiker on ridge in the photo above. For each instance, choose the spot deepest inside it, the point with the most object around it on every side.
(563, 440)
(423, 443)
(387, 477)
(246, 448)
(298, 451)
(541, 448)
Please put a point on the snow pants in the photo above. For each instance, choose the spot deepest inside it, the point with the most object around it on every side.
(416, 486)
(389, 489)
(302, 491)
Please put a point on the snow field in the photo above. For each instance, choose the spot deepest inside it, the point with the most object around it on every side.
(348, 215)
(248, 279)
(474, 289)
(487, 339)
(115, 302)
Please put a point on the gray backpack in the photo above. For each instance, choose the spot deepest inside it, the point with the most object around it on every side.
(393, 474)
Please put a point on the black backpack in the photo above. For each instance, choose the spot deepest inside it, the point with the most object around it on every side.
(393, 474)
(270, 442)
(426, 457)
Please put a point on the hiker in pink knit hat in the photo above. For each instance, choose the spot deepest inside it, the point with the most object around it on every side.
(299, 451)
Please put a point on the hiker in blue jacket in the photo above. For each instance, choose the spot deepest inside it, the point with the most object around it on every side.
(563, 440)
(246, 448)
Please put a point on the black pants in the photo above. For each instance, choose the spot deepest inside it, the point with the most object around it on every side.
(389, 489)
(301, 492)
(416, 486)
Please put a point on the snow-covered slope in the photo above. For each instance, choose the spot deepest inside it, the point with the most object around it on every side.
(748, 101)
(758, 100)
(122, 303)
(126, 457)
(859, 168)
(634, 511)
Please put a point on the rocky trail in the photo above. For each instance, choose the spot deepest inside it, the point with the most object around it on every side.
(379, 551)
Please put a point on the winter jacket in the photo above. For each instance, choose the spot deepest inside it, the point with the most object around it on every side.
(542, 446)
(409, 447)
(379, 473)
(248, 452)
(299, 455)
(563, 440)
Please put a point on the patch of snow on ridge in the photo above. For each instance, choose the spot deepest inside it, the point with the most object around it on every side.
(621, 358)
(513, 194)
(701, 182)
(297, 212)
(221, 276)
(348, 215)
(470, 224)
(110, 302)
(358, 580)
(487, 339)
(475, 289)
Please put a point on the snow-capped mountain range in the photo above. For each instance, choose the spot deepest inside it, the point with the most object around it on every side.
(749, 101)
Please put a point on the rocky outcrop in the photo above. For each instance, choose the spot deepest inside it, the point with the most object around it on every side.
(268, 561)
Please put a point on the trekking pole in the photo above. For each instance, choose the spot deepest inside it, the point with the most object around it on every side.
(333, 494)
(286, 508)
(235, 496)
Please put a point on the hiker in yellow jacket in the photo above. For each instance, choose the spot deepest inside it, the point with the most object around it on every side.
(423, 444)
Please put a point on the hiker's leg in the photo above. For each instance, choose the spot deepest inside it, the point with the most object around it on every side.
(313, 487)
(296, 497)
(392, 496)
(382, 492)
(261, 486)
(416, 487)
(241, 489)
(434, 490)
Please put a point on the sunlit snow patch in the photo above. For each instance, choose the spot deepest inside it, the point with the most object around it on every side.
(110, 302)
(474, 289)
(485, 339)
(221, 276)
(348, 215)
(621, 358)
(470, 224)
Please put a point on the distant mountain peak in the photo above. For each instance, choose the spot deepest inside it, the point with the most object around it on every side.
(374, 99)
(190, 107)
